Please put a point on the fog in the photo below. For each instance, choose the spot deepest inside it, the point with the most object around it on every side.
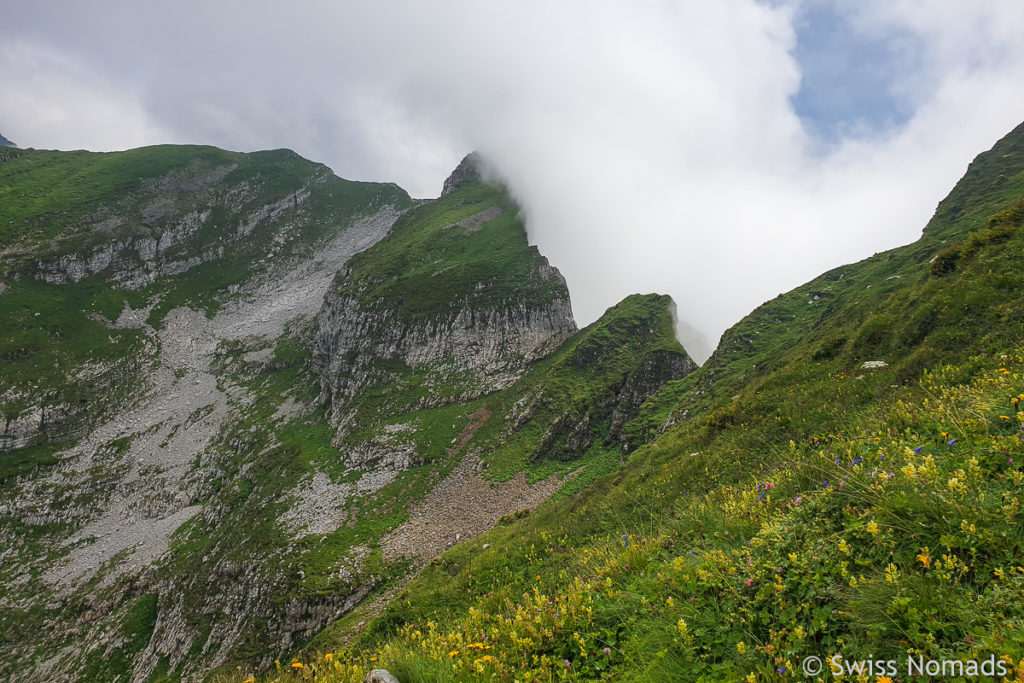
(719, 152)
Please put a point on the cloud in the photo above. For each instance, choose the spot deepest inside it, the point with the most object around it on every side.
(55, 102)
(655, 146)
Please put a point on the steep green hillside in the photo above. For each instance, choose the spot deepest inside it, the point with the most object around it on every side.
(843, 477)
(279, 405)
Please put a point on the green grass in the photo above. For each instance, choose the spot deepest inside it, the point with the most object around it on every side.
(787, 501)
(427, 267)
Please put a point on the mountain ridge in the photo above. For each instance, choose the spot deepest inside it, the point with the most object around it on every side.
(138, 497)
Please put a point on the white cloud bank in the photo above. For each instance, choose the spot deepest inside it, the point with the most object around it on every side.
(653, 144)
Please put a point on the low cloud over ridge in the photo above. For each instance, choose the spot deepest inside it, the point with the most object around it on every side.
(654, 146)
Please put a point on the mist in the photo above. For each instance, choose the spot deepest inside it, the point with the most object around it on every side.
(711, 151)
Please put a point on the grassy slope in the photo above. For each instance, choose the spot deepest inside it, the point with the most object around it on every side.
(261, 462)
(828, 509)
(428, 266)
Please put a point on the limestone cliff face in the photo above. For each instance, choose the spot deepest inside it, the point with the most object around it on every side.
(452, 305)
(174, 226)
(475, 350)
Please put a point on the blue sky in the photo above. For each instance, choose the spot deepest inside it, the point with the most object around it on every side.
(848, 74)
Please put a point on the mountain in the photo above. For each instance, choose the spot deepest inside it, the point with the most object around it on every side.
(841, 478)
(260, 418)
(4, 142)
(240, 395)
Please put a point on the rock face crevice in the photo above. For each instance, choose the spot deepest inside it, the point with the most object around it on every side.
(478, 351)
(138, 261)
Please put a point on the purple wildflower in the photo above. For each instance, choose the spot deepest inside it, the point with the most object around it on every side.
(881, 456)
(824, 484)
(781, 670)
(765, 493)
(951, 442)
(918, 449)
(625, 540)
(857, 461)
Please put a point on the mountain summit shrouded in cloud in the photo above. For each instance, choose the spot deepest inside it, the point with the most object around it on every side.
(721, 155)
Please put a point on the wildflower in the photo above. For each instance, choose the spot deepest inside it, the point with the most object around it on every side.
(751, 678)
(924, 559)
(250, 679)
(883, 679)
(892, 573)
(763, 494)
(843, 548)
(750, 581)
(842, 485)
(741, 647)
(798, 500)
(951, 442)
(769, 486)
(567, 664)
(1004, 417)
(297, 665)
(453, 653)
(824, 484)
(918, 449)
(781, 670)
(872, 528)
(857, 461)
(607, 650)
(625, 540)
(329, 656)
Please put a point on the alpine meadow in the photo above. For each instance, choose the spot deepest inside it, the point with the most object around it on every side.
(260, 423)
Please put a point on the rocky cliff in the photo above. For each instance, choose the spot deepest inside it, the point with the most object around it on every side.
(454, 304)
(239, 394)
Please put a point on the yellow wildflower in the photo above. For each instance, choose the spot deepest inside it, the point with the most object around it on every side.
(297, 665)
(329, 656)
(883, 679)
(924, 559)
(872, 528)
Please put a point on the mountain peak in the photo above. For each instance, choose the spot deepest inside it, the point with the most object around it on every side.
(469, 170)
(4, 142)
